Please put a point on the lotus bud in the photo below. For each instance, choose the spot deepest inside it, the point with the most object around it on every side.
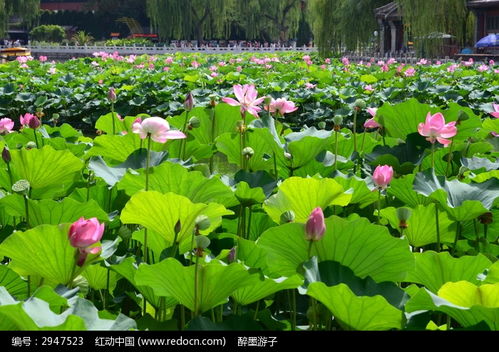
(267, 101)
(203, 222)
(111, 95)
(39, 113)
(288, 156)
(359, 104)
(178, 227)
(240, 126)
(194, 123)
(6, 155)
(403, 215)
(30, 145)
(322, 125)
(213, 100)
(287, 216)
(315, 226)
(189, 102)
(55, 117)
(21, 186)
(248, 152)
(231, 257)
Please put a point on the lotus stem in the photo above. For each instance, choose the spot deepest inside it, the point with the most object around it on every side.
(433, 156)
(249, 222)
(184, 141)
(112, 118)
(458, 233)
(355, 130)
(293, 318)
(363, 142)
(36, 138)
(379, 207)
(148, 161)
(196, 273)
(182, 317)
(276, 173)
(309, 252)
(9, 171)
(212, 115)
(449, 158)
(26, 205)
(255, 316)
(336, 150)
(437, 227)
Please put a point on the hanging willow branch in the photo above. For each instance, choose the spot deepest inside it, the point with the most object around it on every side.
(29, 9)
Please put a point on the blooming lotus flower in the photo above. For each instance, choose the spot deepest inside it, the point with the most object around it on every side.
(246, 98)
(410, 72)
(385, 68)
(83, 234)
(368, 88)
(495, 113)
(157, 128)
(483, 68)
(345, 61)
(371, 123)
(195, 64)
(6, 125)
(281, 106)
(315, 226)
(42, 58)
(391, 61)
(382, 176)
(435, 129)
(29, 120)
(327, 61)
(309, 85)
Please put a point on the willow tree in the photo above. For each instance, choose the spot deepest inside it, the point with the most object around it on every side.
(190, 19)
(324, 19)
(428, 20)
(27, 10)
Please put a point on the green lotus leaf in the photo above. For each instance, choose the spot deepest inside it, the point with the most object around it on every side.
(259, 286)
(98, 277)
(361, 195)
(50, 172)
(127, 268)
(249, 196)
(492, 274)
(302, 195)
(161, 212)
(43, 251)
(433, 269)
(170, 177)
(466, 294)
(402, 189)
(13, 283)
(367, 249)
(425, 300)
(216, 282)
(421, 226)
(306, 145)
(354, 312)
(402, 119)
(461, 200)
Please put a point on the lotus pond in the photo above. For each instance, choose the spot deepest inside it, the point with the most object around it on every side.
(282, 193)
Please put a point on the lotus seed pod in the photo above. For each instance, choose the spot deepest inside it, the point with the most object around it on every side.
(203, 222)
(21, 186)
(403, 214)
(202, 242)
(194, 122)
(287, 216)
(359, 104)
(213, 100)
(267, 101)
(30, 145)
(338, 121)
(322, 125)
(248, 152)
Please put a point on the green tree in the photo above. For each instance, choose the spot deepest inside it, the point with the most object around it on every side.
(190, 19)
(26, 9)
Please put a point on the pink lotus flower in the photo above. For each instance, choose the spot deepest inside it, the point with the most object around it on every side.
(368, 88)
(42, 58)
(239, 68)
(309, 85)
(195, 64)
(438, 62)
(169, 60)
(83, 234)
(6, 125)
(495, 113)
(391, 61)
(246, 98)
(315, 226)
(382, 176)
(166, 69)
(492, 62)
(345, 61)
(385, 68)
(452, 68)
(483, 68)
(52, 70)
(410, 72)
(157, 128)
(435, 129)
(422, 62)
(327, 61)
(281, 106)
(371, 123)
(29, 120)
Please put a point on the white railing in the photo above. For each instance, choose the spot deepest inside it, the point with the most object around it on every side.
(138, 50)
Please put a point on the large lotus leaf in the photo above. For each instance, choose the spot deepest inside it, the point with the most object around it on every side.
(44, 251)
(16, 286)
(252, 255)
(98, 277)
(35, 314)
(161, 212)
(367, 249)
(361, 195)
(333, 273)
(304, 146)
(264, 146)
(225, 119)
(170, 177)
(50, 172)
(216, 281)
(425, 300)
(466, 294)
(302, 195)
(421, 226)
(127, 268)
(476, 163)
(259, 286)
(357, 313)
(466, 128)
(461, 200)
(249, 196)
(257, 179)
(484, 176)
(105, 124)
(493, 274)
(491, 125)
(402, 189)
(402, 119)
(435, 269)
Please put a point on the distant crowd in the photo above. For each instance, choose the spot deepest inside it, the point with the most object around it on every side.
(232, 44)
